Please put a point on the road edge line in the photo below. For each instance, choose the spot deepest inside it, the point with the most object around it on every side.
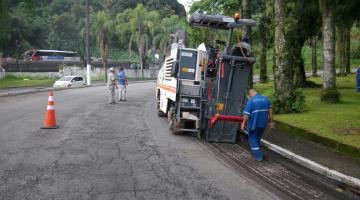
(9, 94)
(314, 166)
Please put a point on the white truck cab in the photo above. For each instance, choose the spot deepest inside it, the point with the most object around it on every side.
(179, 86)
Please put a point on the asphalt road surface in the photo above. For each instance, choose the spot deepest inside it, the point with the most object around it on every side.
(121, 151)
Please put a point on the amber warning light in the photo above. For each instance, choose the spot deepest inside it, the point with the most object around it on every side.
(237, 16)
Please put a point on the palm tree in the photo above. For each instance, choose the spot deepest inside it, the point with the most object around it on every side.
(101, 27)
(167, 26)
(143, 21)
(137, 23)
(123, 28)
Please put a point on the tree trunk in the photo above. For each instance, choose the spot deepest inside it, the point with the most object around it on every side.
(328, 22)
(329, 94)
(341, 49)
(130, 47)
(314, 56)
(299, 76)
(246, 14)
(146, 50)
(263, 75)
(141, 48)
(146, 45)
(104, 51)
(283, 76)
(105, 72)
(347, 39)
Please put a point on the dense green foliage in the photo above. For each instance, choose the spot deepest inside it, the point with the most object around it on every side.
(59, 24)
(302, 23)
(3, 24)
(298, 102)
(138, 30)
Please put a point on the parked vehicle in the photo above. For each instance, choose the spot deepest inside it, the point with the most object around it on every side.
(50, 55)
(69, 81)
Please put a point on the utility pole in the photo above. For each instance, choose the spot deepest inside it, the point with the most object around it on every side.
(17, 53)
(88, 66)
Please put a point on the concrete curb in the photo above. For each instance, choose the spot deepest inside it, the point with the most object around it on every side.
(314, 166)
(30, 91)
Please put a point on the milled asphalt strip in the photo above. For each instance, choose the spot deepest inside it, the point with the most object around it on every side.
(29, 91)
(314, 166)
(325, 171)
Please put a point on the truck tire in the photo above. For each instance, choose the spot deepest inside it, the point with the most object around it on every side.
(161, 113)
(173, 124)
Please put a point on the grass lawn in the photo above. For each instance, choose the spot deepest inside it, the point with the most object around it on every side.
(12, 81)
(340, 122)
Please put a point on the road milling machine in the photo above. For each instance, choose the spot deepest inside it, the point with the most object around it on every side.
(203, 90)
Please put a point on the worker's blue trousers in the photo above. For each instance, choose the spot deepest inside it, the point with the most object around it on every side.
(358, 83)
(254, 138)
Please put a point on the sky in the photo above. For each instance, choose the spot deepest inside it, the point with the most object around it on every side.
(186, 3)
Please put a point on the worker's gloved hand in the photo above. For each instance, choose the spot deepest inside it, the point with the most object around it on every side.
(272, 125)
(243, 127)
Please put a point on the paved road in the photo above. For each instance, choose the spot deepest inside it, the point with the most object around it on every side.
(106, 151)
(103, 151)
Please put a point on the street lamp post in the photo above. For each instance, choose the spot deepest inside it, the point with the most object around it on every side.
(88, 66)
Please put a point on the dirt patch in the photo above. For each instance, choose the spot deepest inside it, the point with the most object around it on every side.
(347, 131)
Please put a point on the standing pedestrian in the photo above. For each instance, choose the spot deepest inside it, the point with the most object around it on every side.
(122, 83)
(257, 113)
(111, 84)
(358, 78)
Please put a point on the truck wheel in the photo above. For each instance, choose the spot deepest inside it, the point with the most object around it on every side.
(173, 124)
(170, 118)
(160, 113)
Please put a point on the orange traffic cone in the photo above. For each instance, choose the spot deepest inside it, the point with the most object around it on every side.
(50, 121)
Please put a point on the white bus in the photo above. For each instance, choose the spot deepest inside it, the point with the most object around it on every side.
(50, 55)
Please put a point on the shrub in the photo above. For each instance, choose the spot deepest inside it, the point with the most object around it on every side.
(299, 104)
(330, 95)
(355, 53)
(296, 104)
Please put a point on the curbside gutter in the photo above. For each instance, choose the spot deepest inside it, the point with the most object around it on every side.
(348, 150)
(314, 166)
(34, 90)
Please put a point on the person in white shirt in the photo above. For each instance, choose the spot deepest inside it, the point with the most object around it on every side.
(111, 84)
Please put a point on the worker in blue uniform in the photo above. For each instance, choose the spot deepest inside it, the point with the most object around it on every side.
(358, 78)
(257, 114)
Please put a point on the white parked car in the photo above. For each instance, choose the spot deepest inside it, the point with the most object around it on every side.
(69, 81)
